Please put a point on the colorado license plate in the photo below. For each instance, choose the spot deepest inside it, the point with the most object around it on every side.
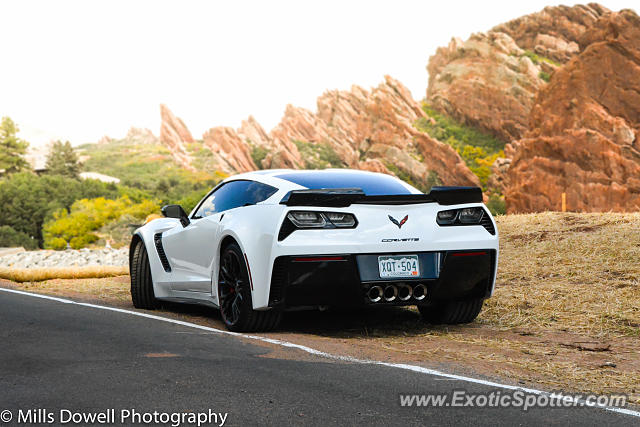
(398, 266)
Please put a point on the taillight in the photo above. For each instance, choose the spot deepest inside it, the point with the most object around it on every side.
(311, 219)
(305, 220)
(465, 216)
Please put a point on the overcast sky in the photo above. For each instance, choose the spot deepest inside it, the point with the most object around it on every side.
(79, 70)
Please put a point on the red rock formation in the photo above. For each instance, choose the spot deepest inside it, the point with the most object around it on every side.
(486, 82)
(174, 134)
(232, 153)
(374, 130)
(553, 32)
(584, 127)
(490, 82)
(371, 130)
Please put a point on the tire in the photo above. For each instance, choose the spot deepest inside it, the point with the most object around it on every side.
(234, 295)
(452, 312)
(142, 294)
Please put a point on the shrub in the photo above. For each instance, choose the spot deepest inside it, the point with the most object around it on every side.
(190, 201)
(478, 149)
(11, 238)
(56, 243)
(80, 242)
(537, 59)
(319, 155)
(496, 204)
(544, 76)
(258, 154)
(78, 226)
(28, 200)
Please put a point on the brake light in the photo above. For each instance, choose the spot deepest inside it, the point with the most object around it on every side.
(469, 254)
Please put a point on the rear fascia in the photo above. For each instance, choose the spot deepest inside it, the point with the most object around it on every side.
(376, 234)
(338, 280)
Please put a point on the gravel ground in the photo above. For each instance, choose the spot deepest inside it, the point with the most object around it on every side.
(67, 258)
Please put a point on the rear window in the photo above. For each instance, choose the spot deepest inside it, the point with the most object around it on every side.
(371, 184)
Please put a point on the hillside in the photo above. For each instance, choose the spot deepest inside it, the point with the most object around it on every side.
(142, 162)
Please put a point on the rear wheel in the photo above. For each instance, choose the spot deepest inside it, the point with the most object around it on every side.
(234, 295)
(142, 294)
(452, 312)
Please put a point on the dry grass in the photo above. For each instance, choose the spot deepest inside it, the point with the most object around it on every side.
(41, 274)
(568, 272)
(110, 290)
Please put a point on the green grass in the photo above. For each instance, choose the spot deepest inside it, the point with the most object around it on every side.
(544, 76)
(537, 59)
(496, 205)
(258, 154)
(432, 178)
(478, 149)
(319, 155)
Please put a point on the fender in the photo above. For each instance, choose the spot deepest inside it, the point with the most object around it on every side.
(256, 243)
(161, 279)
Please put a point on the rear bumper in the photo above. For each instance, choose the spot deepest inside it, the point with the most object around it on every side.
(346, 279)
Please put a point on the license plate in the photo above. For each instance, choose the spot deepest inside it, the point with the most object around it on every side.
(398, 266)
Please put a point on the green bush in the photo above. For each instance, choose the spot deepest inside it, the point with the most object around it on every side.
(28, 200)
(118, 232)
(432, 178)
(537, 59)
(544, 76)
(496, 205)
(79, 225)
(478, 149)
(190, 201)
(258, 154)
(10, 238)
(80, 242)
(319, 155)
(57, 243)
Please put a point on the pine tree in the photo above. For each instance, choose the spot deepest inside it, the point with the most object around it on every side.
(12, 148)
(62, 160)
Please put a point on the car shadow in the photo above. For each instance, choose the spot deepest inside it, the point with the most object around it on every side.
(335, 322)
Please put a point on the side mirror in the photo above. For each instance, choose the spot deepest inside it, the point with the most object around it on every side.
(176, 211)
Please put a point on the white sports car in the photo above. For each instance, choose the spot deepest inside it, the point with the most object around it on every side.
(263, 242)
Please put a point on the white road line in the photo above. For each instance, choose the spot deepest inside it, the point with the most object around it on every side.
(413, 368)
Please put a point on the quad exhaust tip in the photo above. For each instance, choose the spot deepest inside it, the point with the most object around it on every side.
(404, 292)
(419, 292)
(375, 293)
(390, 293)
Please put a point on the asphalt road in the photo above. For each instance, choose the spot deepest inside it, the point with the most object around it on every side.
(57, 356)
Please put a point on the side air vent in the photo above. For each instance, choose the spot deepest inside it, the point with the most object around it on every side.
(286, 229)
(157, 239)
(487, 224)
(278, 282)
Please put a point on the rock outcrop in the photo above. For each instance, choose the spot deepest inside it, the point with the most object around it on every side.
(584, 127)
(490, 80)
(486, 82)
(374, 130)
(175, 135)
(553, 32)
(231, 152)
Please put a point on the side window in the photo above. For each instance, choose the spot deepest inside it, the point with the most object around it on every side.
(233, 195)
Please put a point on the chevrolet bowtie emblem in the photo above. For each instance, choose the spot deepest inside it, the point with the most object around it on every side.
(395, 221)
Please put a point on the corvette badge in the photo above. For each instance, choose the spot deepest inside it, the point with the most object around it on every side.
(395, 221)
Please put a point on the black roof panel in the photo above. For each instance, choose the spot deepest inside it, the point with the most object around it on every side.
(373, 184)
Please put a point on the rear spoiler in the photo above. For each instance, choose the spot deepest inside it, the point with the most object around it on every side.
(343, 197)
